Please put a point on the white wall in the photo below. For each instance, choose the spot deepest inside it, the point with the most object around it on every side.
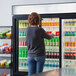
(6, 8)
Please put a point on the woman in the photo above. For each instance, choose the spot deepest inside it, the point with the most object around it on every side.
(35, 42)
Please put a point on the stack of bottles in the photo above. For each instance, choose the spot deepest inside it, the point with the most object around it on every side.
(69, 62)
(70, 33)
(52, 55)
(70, 55)
(70, 22)
(6, 34)
(22, 43)
(23, 53)
(70, 44)
(5, 63)
(49, 32)
(5, 74)
(52, 42)
(51, 64)
(70, 49)
(23, 23)
(22, 33)
(50, 22)
(5, 49)
(23, 63)
(51, 49)
(70, 71)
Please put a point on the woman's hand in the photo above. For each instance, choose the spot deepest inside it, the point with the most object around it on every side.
(54, 32)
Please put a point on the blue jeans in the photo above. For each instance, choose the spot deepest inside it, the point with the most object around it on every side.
(35, 64)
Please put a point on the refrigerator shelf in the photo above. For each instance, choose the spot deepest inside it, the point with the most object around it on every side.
(50, 47)
(70, 36)
(23, 69)
(70, 47)
(50, 26)
(52, 51)
(56, 36)
(51, 59)
(22, 36)
(70, 59)
(5, 39)
(22, 58)
(48, 69)
(5, 55)
(22, 46)
(70, 51)
(70, 26)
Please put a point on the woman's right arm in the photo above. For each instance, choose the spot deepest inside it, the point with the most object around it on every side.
(45, 35)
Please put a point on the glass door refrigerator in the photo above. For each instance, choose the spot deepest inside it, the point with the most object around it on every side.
(69, 40)
(20, 52)
(5, 50)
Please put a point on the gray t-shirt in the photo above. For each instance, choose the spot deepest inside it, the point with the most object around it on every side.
(35, 41)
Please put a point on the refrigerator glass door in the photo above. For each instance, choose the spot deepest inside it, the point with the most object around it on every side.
(52, 45)
(23, 53)
(68, 42)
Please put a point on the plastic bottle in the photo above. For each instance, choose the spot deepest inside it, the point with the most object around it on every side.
(20, 52)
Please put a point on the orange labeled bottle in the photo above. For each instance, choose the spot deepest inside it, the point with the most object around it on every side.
(44, 23)
(57, 23)
(66, 43)
(71, 43)
(47, 23)
(75, 43)
(52, 23)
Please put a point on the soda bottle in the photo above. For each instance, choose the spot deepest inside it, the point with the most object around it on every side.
(19, 33)
(23, 33)
(19, 62)
(48, 64)
(19, 24)
(20, 51)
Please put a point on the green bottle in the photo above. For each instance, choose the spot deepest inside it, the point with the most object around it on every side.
(58, 42)
(23, 53)
(26, 52)
(19, 52)
(55, 41)
(8, 63)
(52, 41)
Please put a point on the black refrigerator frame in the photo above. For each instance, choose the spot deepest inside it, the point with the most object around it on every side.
(15, 32)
